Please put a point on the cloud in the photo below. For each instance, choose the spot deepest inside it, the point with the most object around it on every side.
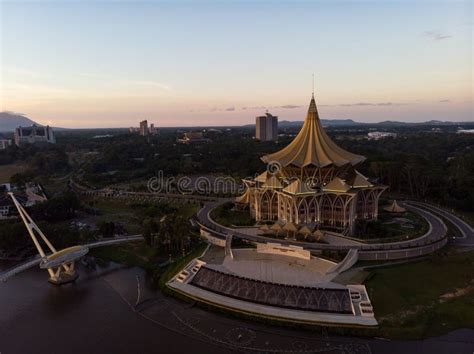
(359, 104)
(254, 108)
(230, 109)
(444, 101)
(289, 106)
(356, 104)
(436, 35)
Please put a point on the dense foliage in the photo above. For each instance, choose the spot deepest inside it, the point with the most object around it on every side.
(420, 163)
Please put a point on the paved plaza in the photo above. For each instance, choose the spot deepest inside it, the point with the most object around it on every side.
(277, 268)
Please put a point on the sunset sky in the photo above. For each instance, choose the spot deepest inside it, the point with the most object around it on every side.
(176, 63)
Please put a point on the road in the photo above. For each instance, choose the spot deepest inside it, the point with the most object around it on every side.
(433, 240)
(467, 232)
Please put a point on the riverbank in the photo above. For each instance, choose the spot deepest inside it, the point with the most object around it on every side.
(107, 296)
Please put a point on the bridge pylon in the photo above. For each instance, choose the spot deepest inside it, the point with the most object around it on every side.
(59, 264)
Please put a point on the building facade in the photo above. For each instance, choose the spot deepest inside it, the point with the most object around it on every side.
(193, 138)
(4, 143)
(144, 128)
(34, 135)
(266, 127)
(380, 135)
(312, 181)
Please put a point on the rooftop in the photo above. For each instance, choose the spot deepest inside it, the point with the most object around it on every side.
(313, 147)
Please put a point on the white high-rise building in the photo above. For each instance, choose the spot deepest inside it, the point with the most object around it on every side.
(266, 127)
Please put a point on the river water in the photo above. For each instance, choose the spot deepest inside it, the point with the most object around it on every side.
(85, 317)
(96, 314)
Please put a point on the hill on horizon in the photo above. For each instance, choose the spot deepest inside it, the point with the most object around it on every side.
(10, 120)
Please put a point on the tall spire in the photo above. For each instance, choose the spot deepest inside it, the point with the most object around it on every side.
(312, 146)
(312, 106)
(313, 109)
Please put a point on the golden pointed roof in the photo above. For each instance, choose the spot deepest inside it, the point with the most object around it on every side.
(312, 146)
(358, 180)
(337, 185)
(305, 230)
(262, 177)
(318, 234)
(276, 227)
(395, 208)
(272, 182)
(298, 187)
(289, 226)
(244, 198)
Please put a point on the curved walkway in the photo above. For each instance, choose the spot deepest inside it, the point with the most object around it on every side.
(34, 261)
(433, 240)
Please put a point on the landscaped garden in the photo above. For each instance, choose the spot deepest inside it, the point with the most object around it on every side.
(392, 227)
(227, 215)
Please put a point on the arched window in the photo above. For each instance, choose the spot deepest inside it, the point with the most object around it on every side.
(313, 210)
(302, 212)
(326, 211)
(265, 207)
(274, 207)
(339, 211)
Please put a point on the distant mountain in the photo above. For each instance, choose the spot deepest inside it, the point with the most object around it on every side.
(348, 122)
(9, 121)
(298, 123)
(430, 122)
(332, 122)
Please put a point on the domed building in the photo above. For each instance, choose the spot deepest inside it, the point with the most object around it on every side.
(312, 181)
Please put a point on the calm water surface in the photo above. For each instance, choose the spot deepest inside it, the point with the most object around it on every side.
(85, 317)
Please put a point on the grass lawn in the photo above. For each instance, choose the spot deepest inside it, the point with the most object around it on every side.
(467, 216)
(136, 254)
(6, 171)
(224, 215)
(110, 206)
(426, 298)
(378, 231)
(52, 186)
(188, 210)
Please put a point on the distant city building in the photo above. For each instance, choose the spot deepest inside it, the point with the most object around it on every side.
(192, 138)
(380, 135)
(34, 135)
(7, 208)
(266, 127)
(133, 130)
(465, 131)
(144, 128)
(102, 136)
(4, 143)
(152, 130)
(5, 187)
